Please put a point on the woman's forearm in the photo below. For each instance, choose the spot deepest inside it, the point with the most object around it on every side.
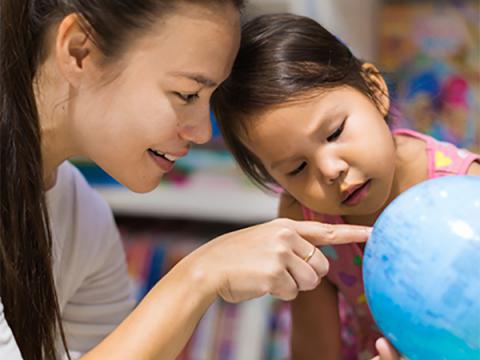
(245, 264)
(163, 322)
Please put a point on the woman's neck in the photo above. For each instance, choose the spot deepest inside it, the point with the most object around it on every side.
(51, 96)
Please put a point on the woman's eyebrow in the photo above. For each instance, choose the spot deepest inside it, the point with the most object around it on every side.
(199, 78)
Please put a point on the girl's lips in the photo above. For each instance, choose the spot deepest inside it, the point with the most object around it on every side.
(357, 194)
(164, 164)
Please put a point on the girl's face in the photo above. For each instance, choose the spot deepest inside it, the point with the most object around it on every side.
(333, 152)
(159, 102)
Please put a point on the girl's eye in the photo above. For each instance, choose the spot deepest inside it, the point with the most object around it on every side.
(187, 98)
(298, 170)
(336, 134)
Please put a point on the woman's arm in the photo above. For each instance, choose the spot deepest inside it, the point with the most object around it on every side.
(245, 264)
(315, 318)
(162, 323)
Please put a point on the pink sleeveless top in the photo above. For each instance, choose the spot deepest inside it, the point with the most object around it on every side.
(346, 260)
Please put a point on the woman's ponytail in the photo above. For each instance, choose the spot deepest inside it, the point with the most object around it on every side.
(27, 287)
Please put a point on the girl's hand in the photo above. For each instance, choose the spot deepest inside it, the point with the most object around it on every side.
(277, 258)
(385, 350)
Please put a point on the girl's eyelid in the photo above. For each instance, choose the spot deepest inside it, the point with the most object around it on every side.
(298, 169)
(338, 131)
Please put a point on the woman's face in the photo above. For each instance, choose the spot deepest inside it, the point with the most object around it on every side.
(136, 124)
(334, 152)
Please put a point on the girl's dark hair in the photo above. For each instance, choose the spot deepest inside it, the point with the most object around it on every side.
(283, 58)
(27, 287)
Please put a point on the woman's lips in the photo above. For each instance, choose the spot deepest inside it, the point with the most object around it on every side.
(163, 163)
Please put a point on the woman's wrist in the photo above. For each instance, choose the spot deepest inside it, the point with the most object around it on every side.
(197, 274)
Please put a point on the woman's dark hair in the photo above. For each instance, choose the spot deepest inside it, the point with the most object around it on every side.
(27, 287)
(283, 58)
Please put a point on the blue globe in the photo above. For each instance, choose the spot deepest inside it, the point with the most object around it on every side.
(422, 270)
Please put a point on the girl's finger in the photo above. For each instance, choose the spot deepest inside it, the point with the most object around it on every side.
(385, 350)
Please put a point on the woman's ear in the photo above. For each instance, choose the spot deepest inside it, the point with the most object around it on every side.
(378, 86)
(73, 49)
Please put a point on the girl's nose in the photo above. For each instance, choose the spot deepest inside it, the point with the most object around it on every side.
(331, 168)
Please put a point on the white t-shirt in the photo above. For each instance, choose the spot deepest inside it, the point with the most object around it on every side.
(94, 291)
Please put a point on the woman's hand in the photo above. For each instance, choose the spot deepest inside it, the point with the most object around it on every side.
(385, 350)
(278, 258)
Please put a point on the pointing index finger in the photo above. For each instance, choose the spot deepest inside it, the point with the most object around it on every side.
(332, 234)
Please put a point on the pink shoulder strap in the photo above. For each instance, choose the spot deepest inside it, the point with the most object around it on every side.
(430, 148)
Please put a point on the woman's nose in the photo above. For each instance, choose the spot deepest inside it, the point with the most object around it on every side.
(198, 130)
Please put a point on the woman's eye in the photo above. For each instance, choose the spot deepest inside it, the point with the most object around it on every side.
(187, 98)
(336, 134)
(298, 170)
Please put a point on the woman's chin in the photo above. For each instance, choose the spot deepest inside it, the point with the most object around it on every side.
(142, 186)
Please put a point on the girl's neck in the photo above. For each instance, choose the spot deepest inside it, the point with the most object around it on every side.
(411, 168)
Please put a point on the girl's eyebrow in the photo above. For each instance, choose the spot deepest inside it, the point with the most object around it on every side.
(316, 126)
(280, 162)
(322, 118)
(199, 78)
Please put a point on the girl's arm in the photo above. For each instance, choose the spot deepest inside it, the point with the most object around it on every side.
(474, 169)
(316, 324)
(315, 319)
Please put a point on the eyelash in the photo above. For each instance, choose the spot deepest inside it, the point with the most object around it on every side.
(337, 132)
(298, 170)
(331, 138)
(187, 98)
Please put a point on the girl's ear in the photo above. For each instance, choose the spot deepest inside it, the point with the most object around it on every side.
(74, 50)
(378, 86)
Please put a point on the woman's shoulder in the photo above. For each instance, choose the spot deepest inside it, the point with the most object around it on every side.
(72, 184)
(8, 345)
(73, 200)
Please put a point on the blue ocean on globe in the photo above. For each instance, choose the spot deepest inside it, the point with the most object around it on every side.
(422, 270)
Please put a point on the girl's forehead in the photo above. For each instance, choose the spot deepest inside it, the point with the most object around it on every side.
(315, 105)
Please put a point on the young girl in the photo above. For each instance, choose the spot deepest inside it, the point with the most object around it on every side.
(127, 84)
(301, 112)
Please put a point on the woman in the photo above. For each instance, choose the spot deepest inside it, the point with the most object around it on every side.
(126, 84)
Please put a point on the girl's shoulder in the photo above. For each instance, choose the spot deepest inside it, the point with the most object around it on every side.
(290, 208)
(440, 157)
